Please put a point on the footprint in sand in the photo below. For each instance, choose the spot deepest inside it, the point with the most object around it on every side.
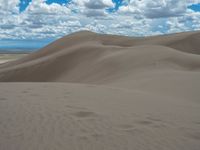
(126, 126)
(153, 119)
(75, 107)
(131, 129)
(194, 136)
(3, 99)
(84, 114)
(25, 92)
(145, 122)
(197, 122)
(153, 122)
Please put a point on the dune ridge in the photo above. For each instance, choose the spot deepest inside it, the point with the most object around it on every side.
(89, 91)
(90, 54)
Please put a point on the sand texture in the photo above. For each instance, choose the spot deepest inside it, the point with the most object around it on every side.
(88, 91)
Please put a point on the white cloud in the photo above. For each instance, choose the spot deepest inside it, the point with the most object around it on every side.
(96, 4)
(9, 6)
(189, 2)
(93, 8)
(155, 9)
(138, 17)
(40, 7)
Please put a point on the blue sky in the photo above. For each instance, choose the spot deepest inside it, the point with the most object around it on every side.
(24, 3)
(31, 24)
(195, 7)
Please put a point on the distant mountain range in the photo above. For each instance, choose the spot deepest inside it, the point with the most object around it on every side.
(18, 51)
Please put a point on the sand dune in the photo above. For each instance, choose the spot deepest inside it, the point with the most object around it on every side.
(104, 92)
(88, 57)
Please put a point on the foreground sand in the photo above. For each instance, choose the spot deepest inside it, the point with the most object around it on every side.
(104, 92)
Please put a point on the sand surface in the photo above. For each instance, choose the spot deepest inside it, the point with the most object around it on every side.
(93, 92)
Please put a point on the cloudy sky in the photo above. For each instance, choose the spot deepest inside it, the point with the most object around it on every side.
(34, 23)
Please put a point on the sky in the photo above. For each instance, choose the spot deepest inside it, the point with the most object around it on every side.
(32, 24)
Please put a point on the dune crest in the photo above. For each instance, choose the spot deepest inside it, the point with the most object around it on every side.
(89, 57)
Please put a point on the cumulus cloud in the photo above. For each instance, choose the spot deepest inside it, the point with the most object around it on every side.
(40, 7)
(94, 4)
(98, 4)
(155, 9)
(94, 13)
(93, 8)
(132, 17)
(9, 6)
(189, 2)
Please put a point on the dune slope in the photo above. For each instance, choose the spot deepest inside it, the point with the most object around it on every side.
(88, 57)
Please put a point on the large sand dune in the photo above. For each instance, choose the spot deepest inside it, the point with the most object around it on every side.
(104, 92)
